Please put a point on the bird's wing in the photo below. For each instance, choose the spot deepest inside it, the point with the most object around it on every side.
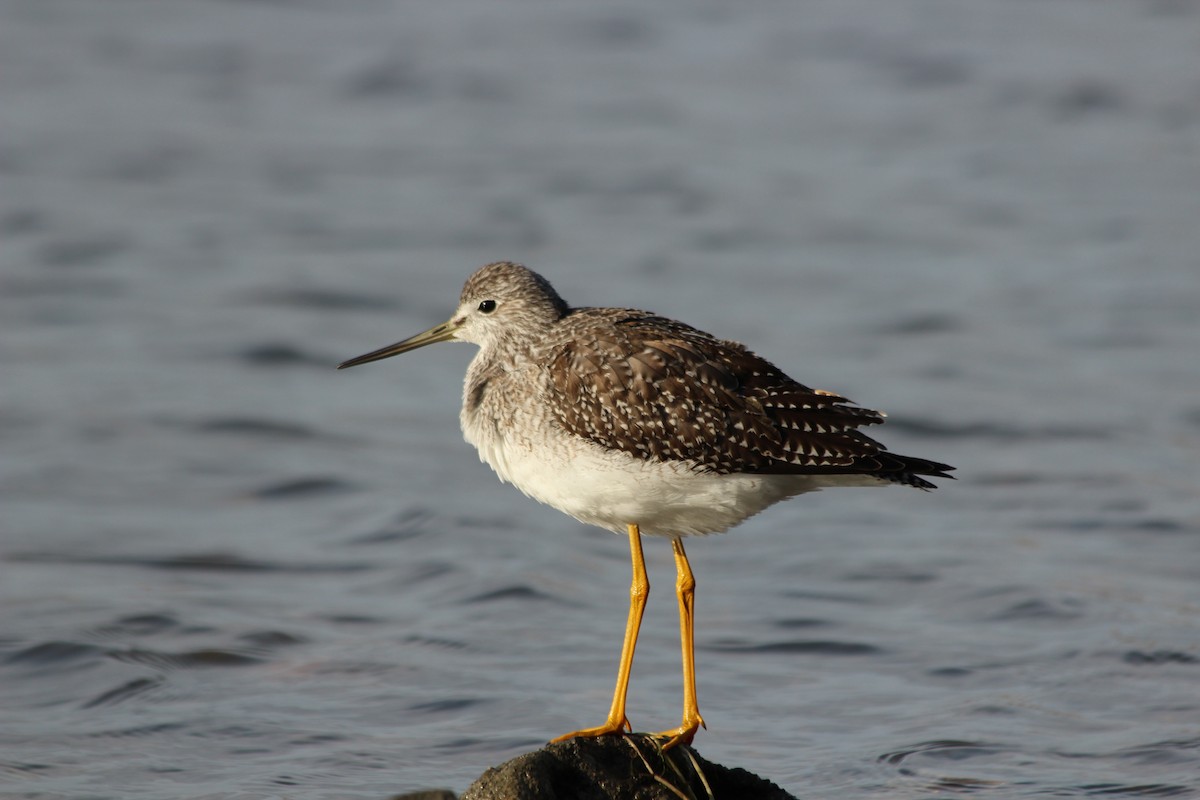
(658, 389)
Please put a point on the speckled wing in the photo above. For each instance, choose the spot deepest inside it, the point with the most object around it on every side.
(659, 389)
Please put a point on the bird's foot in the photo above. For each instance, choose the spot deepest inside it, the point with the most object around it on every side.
(609, 728)
(683, 734)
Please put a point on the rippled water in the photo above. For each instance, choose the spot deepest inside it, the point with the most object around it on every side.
(229, 571)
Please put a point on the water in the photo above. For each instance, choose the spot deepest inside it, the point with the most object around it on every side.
(230, 571)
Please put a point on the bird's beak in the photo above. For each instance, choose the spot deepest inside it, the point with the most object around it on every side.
(439, 333)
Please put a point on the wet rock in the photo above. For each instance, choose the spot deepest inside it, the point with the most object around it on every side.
(618, 768)
(430, 794)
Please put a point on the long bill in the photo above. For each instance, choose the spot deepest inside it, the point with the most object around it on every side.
(439, 333)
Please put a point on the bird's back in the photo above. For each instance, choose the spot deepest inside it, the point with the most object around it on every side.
(658, 389)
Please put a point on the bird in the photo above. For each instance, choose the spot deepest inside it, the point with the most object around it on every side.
(646, 426)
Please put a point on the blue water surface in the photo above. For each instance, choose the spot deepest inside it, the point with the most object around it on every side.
(227, 570)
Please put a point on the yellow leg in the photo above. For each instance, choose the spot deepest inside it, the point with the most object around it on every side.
(685, 587)
(638, 591)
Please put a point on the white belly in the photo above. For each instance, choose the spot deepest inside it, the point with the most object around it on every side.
(612, 489)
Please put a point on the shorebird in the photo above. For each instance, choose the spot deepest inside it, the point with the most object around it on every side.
(645, 426)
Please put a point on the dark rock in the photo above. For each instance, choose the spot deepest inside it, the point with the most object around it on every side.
(618, 768)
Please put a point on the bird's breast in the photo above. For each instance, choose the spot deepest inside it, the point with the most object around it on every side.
(501, 417)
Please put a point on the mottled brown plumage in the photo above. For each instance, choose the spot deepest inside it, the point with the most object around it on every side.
(659, 389)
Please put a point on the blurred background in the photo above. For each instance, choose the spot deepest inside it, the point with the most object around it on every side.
(227, 570)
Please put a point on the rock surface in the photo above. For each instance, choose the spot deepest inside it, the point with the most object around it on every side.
(618, 768)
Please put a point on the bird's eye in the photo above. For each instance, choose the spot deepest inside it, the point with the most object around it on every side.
(487, 306)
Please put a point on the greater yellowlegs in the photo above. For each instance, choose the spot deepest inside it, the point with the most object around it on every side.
(644, 425)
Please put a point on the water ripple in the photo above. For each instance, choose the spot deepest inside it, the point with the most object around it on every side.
(248, 426)
(201, 657)
(218, 561)
(518, 592)
(282, 354)
(54, 652)
(325, 299)
(315, 486)
(1126, 790)
(947, 749)
(799, 646)
(446, 705)
(408, 525)
(125, 691)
